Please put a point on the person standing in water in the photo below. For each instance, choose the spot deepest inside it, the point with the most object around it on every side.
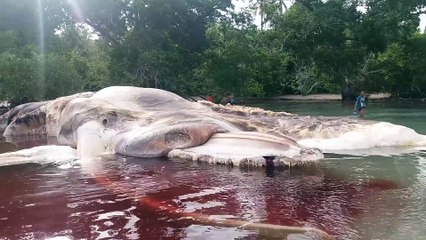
(360, 105)
(230, 99)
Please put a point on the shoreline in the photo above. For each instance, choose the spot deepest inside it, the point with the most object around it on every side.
(329, 97)
(322, 97)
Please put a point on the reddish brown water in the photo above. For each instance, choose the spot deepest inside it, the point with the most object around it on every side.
(349, 197)
(151, 198)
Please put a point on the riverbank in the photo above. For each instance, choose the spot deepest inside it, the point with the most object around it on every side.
(329, 97)
(324, 97)
(307, 98)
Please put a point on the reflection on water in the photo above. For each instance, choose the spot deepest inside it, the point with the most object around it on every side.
(347, 197)
(350, 197)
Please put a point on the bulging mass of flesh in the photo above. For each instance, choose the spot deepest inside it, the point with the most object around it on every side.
(146, 122)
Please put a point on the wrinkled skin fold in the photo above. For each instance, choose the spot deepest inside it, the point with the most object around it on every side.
(144, 122)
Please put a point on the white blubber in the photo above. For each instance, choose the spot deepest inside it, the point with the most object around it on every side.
(381, 134)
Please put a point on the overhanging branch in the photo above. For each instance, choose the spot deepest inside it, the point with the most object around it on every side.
(96, 27)
(306, 4)
(419, 12)
(101, 31)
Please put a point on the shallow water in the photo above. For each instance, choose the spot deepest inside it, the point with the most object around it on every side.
(408, 113)
(399, 213)
(125, 198)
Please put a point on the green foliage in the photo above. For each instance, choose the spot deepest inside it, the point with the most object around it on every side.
(8, 40)
(417, 63)
(18, 75)
(23, 75)
(199, 47)
(401, 68)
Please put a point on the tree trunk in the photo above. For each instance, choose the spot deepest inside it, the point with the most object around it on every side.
(349, 93)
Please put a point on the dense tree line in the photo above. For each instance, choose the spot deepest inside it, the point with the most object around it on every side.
(205, 47)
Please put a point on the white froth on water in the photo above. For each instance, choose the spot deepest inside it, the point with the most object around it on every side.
(39, 155)
(205, 192)
(59, 238)
(376, 135)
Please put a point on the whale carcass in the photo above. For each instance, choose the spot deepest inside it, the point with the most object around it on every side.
(146, 122)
